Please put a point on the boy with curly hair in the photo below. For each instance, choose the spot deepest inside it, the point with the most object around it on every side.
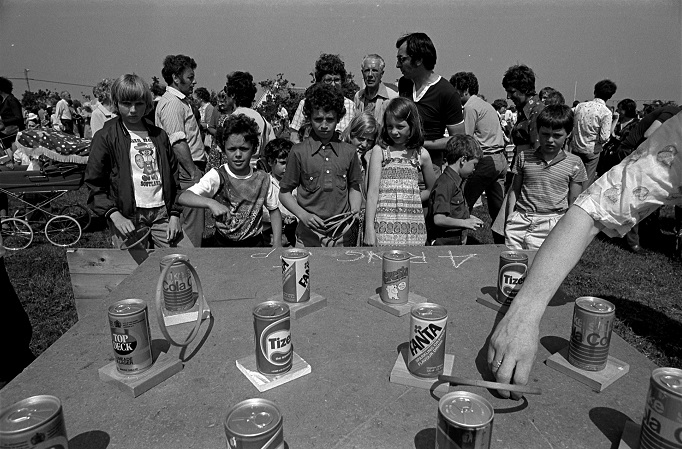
(325, 170)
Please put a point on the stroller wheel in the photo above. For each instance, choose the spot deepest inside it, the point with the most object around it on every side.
(80, 213)
(62, 230)
(36, 218)
(16, 234)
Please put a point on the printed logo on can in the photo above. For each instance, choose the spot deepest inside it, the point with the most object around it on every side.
(511, 279)
(123, 343)
(275, 344)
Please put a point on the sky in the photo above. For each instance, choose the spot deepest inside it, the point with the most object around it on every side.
(570, 44)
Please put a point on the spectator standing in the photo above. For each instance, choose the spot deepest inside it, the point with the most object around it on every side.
(174, 115)
(63, 112)
(10, 113)
(242, 90)
(374, 97)
(203, 98)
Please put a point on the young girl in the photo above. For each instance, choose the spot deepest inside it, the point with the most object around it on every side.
(362, 134)
(394, 215)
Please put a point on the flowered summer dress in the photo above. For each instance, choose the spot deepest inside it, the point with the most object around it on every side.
(399, 219)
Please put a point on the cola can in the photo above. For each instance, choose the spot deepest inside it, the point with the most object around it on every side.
(426, 352)
(296, 275)
(465, 420)
(591, 331)
(662, 422)
(254, 424)
(177, 285)
(32, 423)
(272, 330)
(130, 335)
(510, 276)
(395, 277)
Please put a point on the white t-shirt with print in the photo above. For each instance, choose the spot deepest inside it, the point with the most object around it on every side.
(145, 171)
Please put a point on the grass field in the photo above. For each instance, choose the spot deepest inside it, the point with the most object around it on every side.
(646, 288)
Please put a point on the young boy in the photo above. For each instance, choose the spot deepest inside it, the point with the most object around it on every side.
(546, 182)
(448, 217)
(275, 154)
(132, 173)
(325, 170)
(235, 193)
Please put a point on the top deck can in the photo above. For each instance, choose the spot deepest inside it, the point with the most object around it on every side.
(662, 422)
(254, 424)
(177, 285)
(426, 353)
(465, 421)
(510, 276)
(272, 330)
(295, 275)
(35, 422)
(130, 335)
(395, 277)
(591, 330)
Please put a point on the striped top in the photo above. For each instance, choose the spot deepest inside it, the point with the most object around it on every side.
(544, 189)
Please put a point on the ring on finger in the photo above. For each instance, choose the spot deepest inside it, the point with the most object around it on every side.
(497, 364)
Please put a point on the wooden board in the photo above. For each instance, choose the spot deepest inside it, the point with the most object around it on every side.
(401, 375)
(301, 309)
(597, 380)
(397, 309)
(171, 318)
(630, 437)
(165, 366)
(247, 366)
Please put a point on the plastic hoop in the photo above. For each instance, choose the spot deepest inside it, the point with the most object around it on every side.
(146, 233)
(159, 304)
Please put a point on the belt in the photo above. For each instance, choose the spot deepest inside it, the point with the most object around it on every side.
(493, 152)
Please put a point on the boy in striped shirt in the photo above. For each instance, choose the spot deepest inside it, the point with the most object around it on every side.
(546, 182)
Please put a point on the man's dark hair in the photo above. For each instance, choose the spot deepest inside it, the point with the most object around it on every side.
(605, 89)
(328, 64)
(499, 104)
(419, 48)
(158, 90)
(202, 94)
(521, 78)
(629, 107)
(326, 97)
(545, 91)
(239, 124)
(465, 81)
(277, 149)
(241, 88)
(6, 85)
(555, 97)
(555, 116)
(175, 65)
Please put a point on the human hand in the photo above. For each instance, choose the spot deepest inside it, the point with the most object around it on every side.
(314, 222)
(473, 223)
(370, 238)
(122, 224)
(220, 211)
(174, 228)
(512, 350)
(196, 176)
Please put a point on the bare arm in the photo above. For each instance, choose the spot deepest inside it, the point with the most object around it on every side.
(439, 144)
(184, 156)
(444, 221)
(374, 176)
(654, 126)
(516, 337)
(429, 175)
(311, 220)
(514, 193)
(575, 189)
(276, 223)
(191, 199)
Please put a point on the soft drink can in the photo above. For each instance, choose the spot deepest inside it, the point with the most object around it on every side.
(272, 330)
(296, 275)
(177, 285)
(130, 335)
(510, 276)
(395, 277)
(33, 423)
(662, 422)
(591, 333)
(426, 355)
(254, 424)
(465, 421)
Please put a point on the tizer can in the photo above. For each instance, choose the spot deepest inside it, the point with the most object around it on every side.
(177, 285)
(510, 276)
(662, 422)
(395, 277)
(130, 335)
(426, 354)
(254, 424)
(296, 275)
(33, 423)
(591, 333)
(272, 329)
(465, 421)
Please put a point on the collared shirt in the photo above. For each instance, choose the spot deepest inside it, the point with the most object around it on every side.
(99, 117)
(545, 185)
(447, 198)
(175, 116)
(323, 174)
(300, 119)
(525, 131)
(644, 181)
(591, 127)
(62, 110)
(482, 122)
(375, 105)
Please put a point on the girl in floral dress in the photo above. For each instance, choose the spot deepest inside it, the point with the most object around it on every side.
(394, 215)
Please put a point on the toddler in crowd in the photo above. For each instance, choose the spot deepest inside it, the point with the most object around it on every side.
(275, 154)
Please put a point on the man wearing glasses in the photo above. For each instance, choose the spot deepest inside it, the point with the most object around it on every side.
(374, 97)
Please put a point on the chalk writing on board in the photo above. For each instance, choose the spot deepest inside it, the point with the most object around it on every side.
(417, 259)
(459, 259)
(263, 255)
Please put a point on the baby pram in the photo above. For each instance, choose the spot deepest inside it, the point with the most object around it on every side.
(61, 168)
